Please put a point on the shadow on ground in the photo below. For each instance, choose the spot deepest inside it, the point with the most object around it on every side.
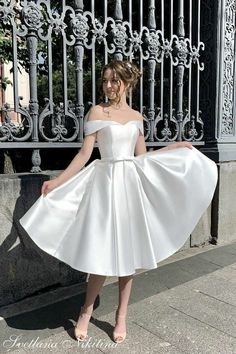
(146, 284)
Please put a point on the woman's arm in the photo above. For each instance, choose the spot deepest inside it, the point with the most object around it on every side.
(74, 167)
(179, 144)
(140, 147)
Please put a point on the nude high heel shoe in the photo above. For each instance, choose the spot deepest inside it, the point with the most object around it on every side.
(80, 334)
(119, 337)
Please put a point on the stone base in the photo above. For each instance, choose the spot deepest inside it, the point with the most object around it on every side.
(25, 268)
(202, 233)
(224, 204)
(220, 151)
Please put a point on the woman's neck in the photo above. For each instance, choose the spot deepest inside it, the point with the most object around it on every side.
(122, 104)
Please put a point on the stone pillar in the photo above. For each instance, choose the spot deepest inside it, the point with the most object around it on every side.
(218, 86)
(218, 104)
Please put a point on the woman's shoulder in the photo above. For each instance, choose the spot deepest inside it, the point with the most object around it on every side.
(95, 113)
(137, 115)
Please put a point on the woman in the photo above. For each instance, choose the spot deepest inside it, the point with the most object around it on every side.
(122, 212)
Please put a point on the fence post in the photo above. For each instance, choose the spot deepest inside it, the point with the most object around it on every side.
(119, 32)
(32, 18)
(152, 39)
(80, 29)
(182, 55)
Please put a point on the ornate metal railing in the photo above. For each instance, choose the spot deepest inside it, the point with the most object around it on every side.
(162, 37)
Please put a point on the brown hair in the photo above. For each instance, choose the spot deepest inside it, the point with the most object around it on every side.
(125, 70)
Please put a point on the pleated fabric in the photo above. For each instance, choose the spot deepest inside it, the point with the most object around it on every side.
(123, 212)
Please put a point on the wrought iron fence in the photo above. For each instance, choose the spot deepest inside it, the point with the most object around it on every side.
(74, 39)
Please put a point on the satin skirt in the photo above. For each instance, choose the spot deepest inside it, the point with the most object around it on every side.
(119, 215)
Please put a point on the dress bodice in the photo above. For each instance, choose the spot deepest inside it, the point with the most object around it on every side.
(115, 140)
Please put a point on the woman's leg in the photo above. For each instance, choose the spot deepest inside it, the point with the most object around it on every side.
(94, 286)
(125, 286)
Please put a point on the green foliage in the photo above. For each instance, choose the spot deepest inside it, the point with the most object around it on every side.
(4, 81)
(5, 46)
(57, 79)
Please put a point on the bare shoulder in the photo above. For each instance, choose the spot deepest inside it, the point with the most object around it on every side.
(95, 112)
(138, 115)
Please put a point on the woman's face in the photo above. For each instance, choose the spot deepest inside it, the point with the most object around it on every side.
(112, 84)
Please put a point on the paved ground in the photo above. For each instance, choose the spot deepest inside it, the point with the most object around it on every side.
(187, 305)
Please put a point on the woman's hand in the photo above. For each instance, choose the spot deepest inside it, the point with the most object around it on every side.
(48, 186)
(184, 144)
(179, 144)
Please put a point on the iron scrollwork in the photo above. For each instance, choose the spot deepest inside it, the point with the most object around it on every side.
(7, 13)
(229, 76)
(52, 124)
(32, 15)
(9, 130)
(166, 116)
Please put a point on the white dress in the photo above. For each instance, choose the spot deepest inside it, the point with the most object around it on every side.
(123, 212)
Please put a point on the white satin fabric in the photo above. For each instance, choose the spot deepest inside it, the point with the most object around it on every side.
(122, 212)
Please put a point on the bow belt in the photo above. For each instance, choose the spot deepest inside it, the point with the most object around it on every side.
(117, 159)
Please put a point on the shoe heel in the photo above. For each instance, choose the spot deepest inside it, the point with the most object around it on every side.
(119, 337)
(80, 334)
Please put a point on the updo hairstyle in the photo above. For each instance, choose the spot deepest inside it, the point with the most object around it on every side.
(125, 71)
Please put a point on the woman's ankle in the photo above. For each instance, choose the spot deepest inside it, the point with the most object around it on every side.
(121, 312)
(87, 308)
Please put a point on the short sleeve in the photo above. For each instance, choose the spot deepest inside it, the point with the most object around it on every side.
(93, 126)
(90, 127)
(140, 126)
